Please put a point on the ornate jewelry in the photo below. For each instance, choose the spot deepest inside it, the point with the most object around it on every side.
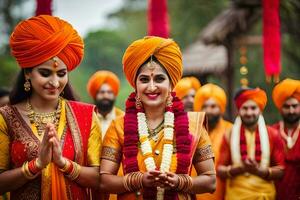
(146, 148)
(27, 85)
(40, 120)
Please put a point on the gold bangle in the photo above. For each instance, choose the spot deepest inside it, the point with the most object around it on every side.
(26, 172)
(74, 174)
(133, 181)
(66, 166)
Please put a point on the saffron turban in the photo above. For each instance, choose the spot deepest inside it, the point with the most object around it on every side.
(101, 77)
(41, 38)
(166, 51)
(185, 84)
(284, 90)
(257, 95)
(210, 91)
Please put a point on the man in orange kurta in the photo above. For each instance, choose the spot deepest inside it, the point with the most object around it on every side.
(286, 96)
(103, 87)
(251, 154)
(186, 89)
(211, 99)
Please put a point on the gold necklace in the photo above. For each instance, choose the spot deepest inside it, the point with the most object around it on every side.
(153, 132)
(40, 120)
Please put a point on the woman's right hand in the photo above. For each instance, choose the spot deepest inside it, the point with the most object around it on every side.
(151, 179)
(45, 154)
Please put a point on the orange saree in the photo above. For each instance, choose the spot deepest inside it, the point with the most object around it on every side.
(114, 142)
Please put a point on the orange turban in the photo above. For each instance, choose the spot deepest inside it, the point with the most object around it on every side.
(210, 91)
(184, 85)
(285, 89)
(166, 51)
(101, 77)
(258, 95)
(41, 38)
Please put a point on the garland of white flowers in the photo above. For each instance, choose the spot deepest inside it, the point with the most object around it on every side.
(147, 149)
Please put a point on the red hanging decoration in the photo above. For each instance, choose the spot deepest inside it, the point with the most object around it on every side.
(43, 7)
(158, 22)
(271, 39)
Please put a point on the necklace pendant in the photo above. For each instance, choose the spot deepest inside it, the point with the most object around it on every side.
(289, 142)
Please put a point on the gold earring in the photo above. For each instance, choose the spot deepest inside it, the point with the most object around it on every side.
(27, 85)
(138, 103)
(169, 102)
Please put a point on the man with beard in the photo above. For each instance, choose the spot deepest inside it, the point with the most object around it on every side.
(211, 99)
(251, 155)
(103, 87)
(185, 90)
(286, 96)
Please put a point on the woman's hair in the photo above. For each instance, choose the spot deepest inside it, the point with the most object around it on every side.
(18, 94)
(151, 59)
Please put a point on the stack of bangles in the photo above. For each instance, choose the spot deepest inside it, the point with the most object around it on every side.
(185, 183)
(133, 181)
(71, 169)
(31, 169)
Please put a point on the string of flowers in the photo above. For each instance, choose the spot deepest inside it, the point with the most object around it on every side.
(135, 130)
(243, 145)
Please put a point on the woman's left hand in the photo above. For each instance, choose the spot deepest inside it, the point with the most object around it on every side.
(57, 157)
(170, 180)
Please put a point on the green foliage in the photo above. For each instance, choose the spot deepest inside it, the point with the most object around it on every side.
(104, 50)
(8, 71)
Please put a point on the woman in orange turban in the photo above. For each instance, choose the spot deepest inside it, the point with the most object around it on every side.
(154, 123)
(50, 144)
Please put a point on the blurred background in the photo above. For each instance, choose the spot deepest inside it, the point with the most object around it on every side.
(221, 40)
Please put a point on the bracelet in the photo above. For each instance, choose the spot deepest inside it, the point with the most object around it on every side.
(185, 183)
(26, 172)
(75, 172)
(71, 169)
(228, 169)
(133, 181)
(34, 166)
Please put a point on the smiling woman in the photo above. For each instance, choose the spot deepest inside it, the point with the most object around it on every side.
(49, 149)
(156, 141)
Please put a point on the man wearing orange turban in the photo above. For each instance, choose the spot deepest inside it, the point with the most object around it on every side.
(286, 96)
(251, 154)
(211, 99)
(185, 90)
(103, 87)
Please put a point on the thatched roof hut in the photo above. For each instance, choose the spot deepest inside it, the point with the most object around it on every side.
(212, 52)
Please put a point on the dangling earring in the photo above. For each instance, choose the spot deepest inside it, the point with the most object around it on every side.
(169, 102)
(27, 85)
(138, 103)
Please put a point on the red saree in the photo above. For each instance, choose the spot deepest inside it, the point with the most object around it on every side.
(24, 146)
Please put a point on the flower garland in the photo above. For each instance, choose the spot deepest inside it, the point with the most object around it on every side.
(135, 130)
(238, 143)
(243, 145)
